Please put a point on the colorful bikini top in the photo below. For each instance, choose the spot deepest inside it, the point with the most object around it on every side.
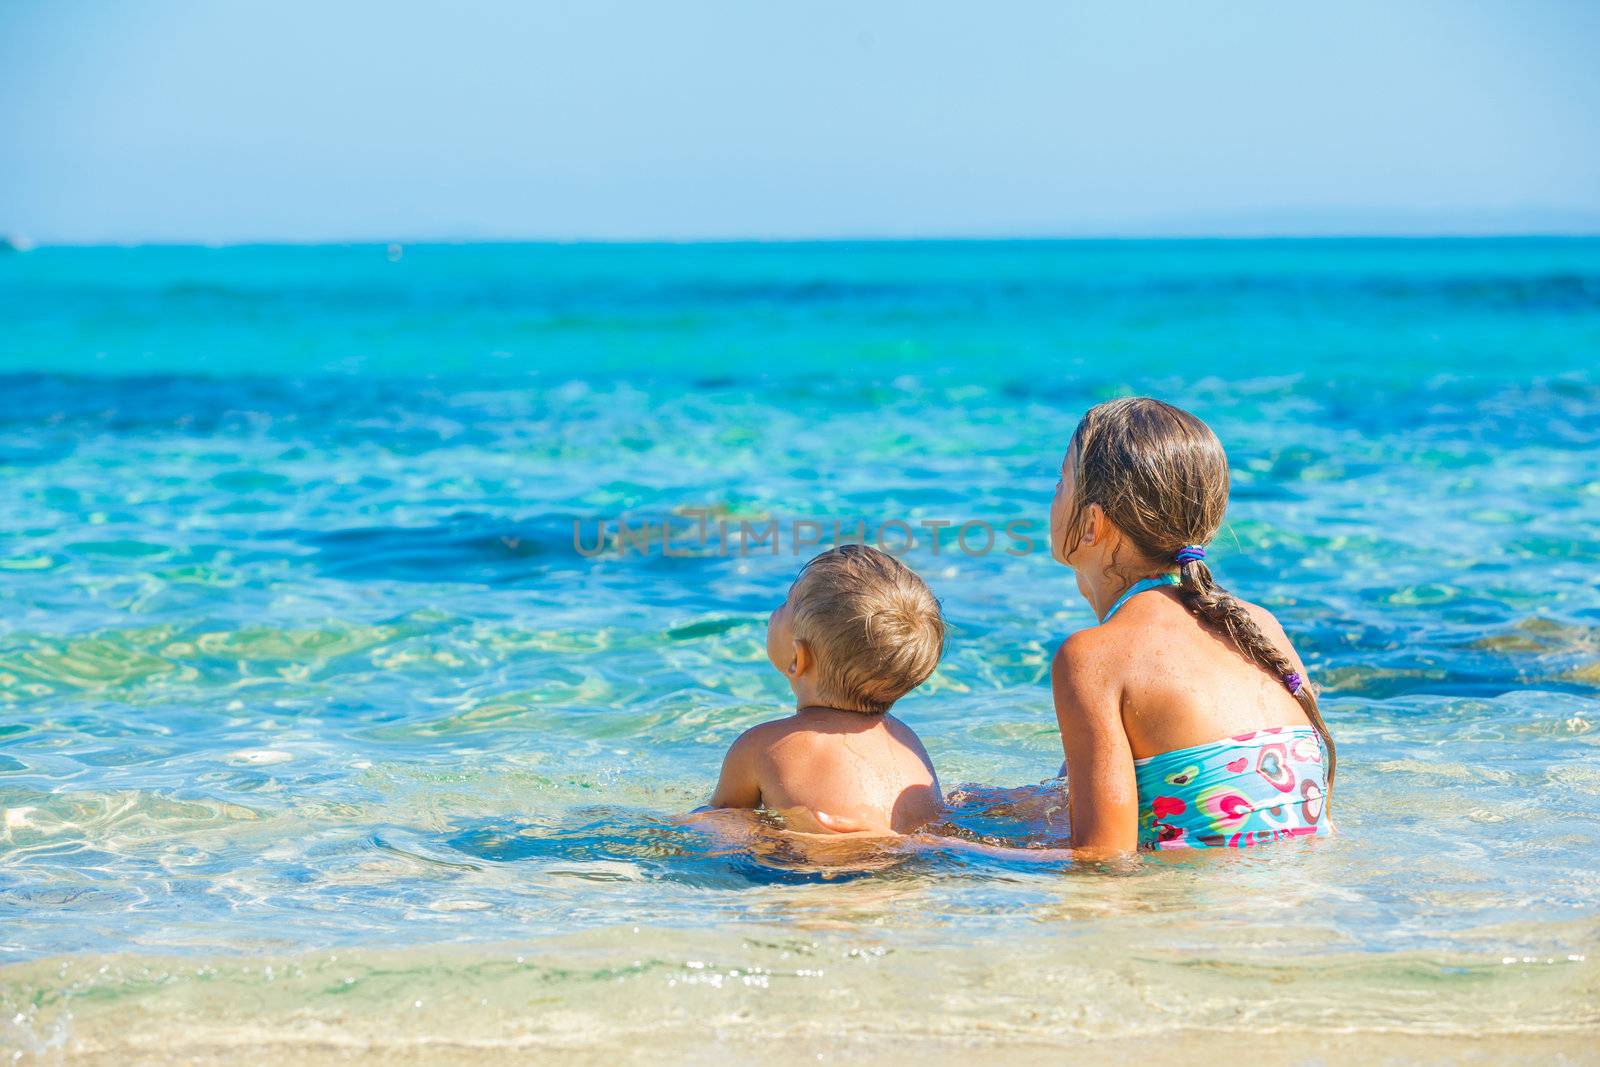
(1249, 789)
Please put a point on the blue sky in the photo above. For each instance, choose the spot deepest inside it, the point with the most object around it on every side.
(305, 121)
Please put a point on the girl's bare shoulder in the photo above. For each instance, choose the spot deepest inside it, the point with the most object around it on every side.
(1086, 668)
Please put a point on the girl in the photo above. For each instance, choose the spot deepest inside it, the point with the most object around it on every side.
(1186, 716)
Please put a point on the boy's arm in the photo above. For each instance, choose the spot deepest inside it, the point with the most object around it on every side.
(740, 785)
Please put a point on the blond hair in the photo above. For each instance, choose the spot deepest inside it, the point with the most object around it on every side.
(873, 625)
(1161, 476)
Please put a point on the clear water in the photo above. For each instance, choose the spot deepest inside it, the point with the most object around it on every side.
(315, 727)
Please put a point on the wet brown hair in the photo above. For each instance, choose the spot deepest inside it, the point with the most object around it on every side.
(874, 625)
(1161, 476)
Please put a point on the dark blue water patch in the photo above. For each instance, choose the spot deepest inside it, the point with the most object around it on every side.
(1466, 421)
(467, 548)
(1026, 816)
(1020, 817)
(53, 414)
(754, 872)
(487, 549)
(197, 404)
(36, 450)
(1561, 292)
(473, 547)
(593, 834)
(574, 280)
(657, 848)
(1408, 676)
(995, 831)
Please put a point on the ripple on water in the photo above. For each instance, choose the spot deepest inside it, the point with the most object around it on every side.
(84, 663)
(272, 643)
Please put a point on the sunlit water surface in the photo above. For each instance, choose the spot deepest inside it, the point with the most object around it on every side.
(315, 727)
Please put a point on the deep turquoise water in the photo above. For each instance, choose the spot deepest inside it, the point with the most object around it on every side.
(297, 655)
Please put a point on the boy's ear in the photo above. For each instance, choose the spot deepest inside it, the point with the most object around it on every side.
(803, 660)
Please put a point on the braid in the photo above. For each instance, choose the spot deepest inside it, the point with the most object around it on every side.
(1214, 605)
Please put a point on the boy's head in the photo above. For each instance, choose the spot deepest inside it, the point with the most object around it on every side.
(859, 630)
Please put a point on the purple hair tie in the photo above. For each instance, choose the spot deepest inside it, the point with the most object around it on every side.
(1190, 554)
(1293, 681)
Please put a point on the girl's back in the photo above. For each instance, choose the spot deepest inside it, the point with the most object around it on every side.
(1177, 690)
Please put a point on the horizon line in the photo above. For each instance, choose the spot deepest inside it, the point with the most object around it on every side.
(20, 243)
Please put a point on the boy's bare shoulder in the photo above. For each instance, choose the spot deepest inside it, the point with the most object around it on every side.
(900, 731)
(761, 737)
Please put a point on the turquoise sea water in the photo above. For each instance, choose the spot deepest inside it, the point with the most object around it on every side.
(299, 663)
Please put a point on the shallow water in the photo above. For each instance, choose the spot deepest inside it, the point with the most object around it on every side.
(315, 726)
